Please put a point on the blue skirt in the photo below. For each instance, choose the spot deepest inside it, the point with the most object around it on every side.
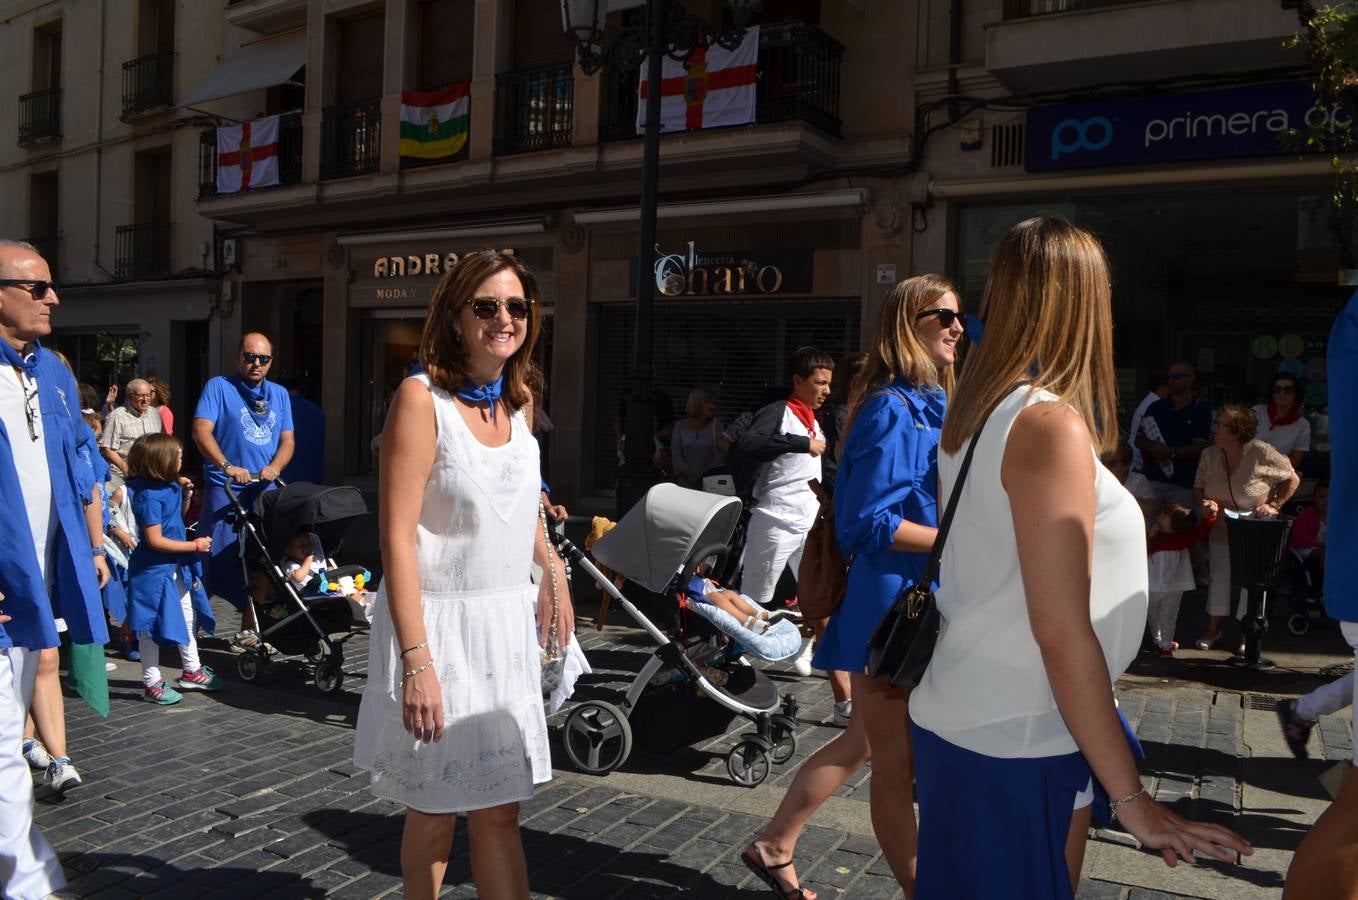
(992, 827)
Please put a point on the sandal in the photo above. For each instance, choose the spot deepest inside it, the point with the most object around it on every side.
(754, 861)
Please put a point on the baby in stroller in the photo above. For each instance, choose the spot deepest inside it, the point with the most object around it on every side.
(749, 614)
(313, 574)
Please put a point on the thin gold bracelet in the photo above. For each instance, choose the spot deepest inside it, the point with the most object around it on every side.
(413, 672)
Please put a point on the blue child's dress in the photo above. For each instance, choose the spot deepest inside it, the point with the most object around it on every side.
(887, 472)
(154, 600)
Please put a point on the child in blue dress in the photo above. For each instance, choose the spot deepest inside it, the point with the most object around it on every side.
(167, 604)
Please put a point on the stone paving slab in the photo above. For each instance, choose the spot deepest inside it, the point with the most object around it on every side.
(251, 792)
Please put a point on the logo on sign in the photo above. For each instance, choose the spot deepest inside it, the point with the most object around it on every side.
(1072, 135)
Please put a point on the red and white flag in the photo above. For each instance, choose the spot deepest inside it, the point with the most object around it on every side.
(247, 155)
(717, 88)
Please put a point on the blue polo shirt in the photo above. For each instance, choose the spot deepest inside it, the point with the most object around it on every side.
(246, 422)
(1178, 428)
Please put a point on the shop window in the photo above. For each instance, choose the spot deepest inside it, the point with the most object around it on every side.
(358, 72)
(446, 39)
(101, 359)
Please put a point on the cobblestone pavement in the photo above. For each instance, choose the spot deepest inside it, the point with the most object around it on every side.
(250, 793)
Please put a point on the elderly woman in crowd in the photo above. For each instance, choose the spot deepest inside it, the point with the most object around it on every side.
(127, 423)
(1243, 475)
(693, 447)
(160, 388)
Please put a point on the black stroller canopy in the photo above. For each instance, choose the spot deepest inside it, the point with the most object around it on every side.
(327, 511)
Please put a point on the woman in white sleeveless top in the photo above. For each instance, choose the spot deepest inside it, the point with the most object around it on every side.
(1042, 595)
(451, 721)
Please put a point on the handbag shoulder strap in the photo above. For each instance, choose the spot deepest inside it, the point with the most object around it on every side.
(936, 553)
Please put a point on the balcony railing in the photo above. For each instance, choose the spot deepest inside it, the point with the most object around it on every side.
(289, 156)
(533, 109)
(142, 251)
(351, 139)
(148, 83)
(40, 116)
(1022, 9)
(799, 74)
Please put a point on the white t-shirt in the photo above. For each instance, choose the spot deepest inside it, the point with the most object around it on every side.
(1284, 438)
(1134, 428)
(986, 688)
(781, 489)
(30, 458)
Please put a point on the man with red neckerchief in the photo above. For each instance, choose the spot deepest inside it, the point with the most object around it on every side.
(787, 443)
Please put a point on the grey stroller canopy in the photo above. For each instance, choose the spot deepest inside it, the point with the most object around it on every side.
(658, 535)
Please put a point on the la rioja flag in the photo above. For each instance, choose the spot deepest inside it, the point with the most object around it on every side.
(247, 155)
(716, 88)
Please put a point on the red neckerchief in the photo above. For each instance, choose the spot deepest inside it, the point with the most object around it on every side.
(1293, 415)
(804, 415)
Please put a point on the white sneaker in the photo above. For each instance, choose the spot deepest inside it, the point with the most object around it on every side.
(842, 713)
(110, 667)
(36, 754)
(61, 776)
(801, 664)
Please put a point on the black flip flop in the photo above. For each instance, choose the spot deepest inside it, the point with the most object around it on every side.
(754, 861)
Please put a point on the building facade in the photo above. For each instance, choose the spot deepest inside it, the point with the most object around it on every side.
(1162, 126)
(764, 247)
(102, 177)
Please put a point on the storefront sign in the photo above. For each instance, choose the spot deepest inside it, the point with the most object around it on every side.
(737, 272)
(412, 265)
(1240, 122)
(401, 279)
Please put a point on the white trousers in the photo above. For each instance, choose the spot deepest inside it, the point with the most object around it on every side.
(1219, 589)
(1162, 615)
(1336, 695)
(188, 653)
(770, 546)
(29, 868)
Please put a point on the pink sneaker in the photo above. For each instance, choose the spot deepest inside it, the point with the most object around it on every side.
(1168, 649)
(200, 680)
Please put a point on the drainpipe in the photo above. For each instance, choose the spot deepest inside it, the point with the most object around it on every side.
(954, 57)
(99, 141)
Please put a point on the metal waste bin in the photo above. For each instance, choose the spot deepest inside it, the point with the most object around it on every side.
(1257, 549)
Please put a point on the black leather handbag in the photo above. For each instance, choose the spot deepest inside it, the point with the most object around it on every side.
(903, 642)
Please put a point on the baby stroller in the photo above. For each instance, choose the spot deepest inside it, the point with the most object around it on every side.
(309, 616)
(671, 530)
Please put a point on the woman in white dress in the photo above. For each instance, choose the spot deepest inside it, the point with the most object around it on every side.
(451, 721)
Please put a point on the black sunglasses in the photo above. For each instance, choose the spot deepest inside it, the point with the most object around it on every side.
(1284, 389)
(489, 307)
(262, 358)
(38, 289)
(945, 316)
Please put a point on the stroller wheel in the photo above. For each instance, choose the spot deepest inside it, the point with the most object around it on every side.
(748, 764)
(784, 737)
(1298, 624)
(316, 654)
(329, 676)
(597, 737)
(249, 664)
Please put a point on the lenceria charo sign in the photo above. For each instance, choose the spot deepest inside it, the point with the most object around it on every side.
(1240, 122)
(693, 273)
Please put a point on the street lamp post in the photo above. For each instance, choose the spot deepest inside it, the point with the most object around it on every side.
(666, 29)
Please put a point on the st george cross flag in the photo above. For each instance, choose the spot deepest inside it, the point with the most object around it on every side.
(434, 123)
(247, 155)
(717, 88)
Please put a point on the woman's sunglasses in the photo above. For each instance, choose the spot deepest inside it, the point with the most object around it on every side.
(945, 316)
(489, 307)
(1284, 389)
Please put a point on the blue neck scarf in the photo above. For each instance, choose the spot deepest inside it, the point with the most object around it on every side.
(486, 393)
(27, 361)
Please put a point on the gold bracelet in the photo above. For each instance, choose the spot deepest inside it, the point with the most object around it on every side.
(419, 646)
(413, 672)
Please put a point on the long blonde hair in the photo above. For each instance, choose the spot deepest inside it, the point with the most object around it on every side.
(897, 351)
(1048, 319)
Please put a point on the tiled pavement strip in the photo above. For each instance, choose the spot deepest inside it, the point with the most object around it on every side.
(250, 793)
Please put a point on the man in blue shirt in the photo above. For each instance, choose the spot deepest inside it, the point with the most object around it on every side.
(243, 427)
(51, 544)
(1174, 432)
(308, 460)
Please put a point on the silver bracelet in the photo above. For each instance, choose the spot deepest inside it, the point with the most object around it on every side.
(1114, 804)
(413, 672)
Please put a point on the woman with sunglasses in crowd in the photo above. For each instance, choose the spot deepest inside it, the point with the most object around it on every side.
(1042, 596)
(885, 518)
(451, 722)
(1281, 423)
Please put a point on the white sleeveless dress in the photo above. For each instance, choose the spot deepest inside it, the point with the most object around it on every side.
(474, 546)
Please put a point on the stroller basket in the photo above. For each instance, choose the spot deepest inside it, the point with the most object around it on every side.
(1257, 547)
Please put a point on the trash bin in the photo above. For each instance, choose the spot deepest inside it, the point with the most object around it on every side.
(1257, 550)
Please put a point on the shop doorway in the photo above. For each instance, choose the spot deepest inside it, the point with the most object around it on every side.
(388, 342)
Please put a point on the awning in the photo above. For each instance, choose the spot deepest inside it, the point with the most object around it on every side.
(262, 64)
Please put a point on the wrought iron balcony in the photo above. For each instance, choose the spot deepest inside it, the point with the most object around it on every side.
(1022, 9)
(289, 156)
(40, 116)
(142, 251)
(533, 109)
(148, 83)
(351, 139)
(799, 75)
